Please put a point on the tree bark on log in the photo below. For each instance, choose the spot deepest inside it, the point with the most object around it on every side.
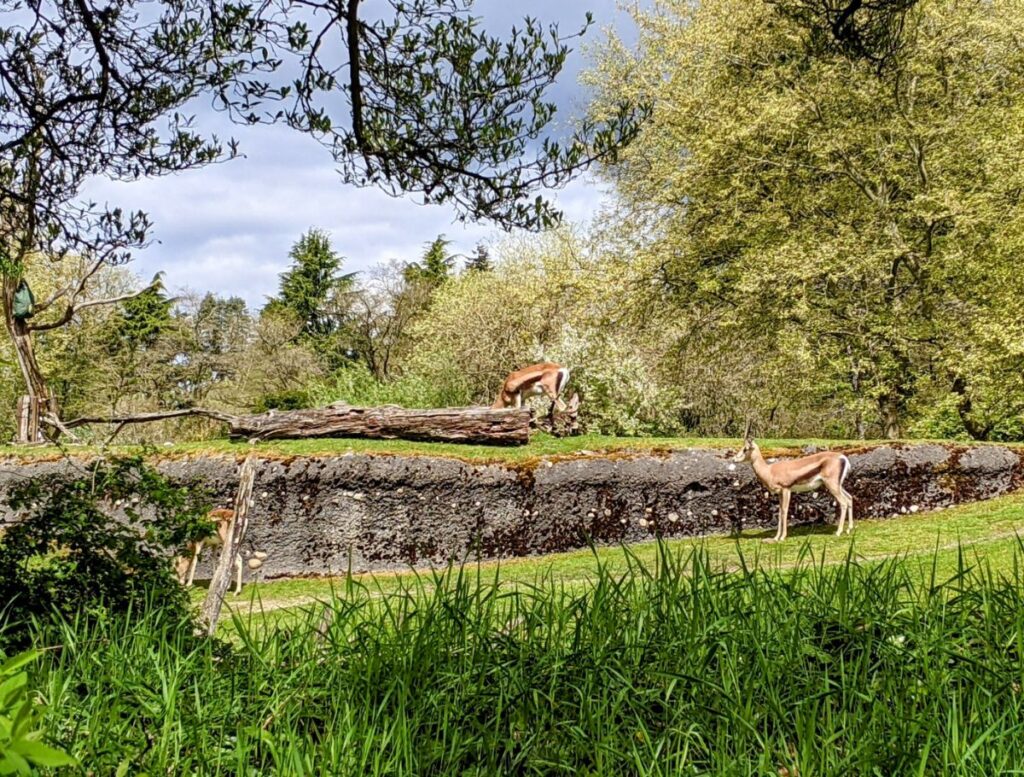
(480, 425)
(221, 580)
(484, 425)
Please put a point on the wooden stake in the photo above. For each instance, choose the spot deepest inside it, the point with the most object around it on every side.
(221, 580)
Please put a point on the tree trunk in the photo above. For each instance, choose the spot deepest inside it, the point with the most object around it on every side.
(484, 425)
(221, 580)
(855, 383)
(39, 400)
(965, 409)
(889, 414)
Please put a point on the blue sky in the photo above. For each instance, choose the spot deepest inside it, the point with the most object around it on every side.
(228, 228)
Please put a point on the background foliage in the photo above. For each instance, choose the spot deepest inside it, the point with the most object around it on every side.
(816, 226)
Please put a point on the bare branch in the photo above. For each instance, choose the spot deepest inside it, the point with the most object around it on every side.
(140, 418)
(72, 309)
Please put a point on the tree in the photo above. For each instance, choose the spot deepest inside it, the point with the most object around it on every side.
(383, 312)
(480, 261)
(872, 30)
(204, 350)
(435, 267)
(97, 91)
(819, 209)
(430, 104)
(130, 336)
(313, 289)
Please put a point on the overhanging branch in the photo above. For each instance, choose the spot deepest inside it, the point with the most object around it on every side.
(74, 308)
(139, 418)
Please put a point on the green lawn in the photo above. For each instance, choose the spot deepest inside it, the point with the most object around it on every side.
(900, 652)
(540, 445)
(984, 530)
(908, 662)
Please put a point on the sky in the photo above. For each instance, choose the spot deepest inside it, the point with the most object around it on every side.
(228, 228)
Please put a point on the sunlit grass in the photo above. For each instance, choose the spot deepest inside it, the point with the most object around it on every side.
(982, 530)
(540, 445)
(661, 664)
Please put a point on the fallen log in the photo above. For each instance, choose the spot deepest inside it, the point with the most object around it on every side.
(482, 425)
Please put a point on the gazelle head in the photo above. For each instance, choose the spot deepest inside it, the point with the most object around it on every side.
(749, 449)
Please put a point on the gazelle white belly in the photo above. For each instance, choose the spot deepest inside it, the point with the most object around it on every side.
(810, 485)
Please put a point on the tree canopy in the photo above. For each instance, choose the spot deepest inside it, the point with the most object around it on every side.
(815, 207)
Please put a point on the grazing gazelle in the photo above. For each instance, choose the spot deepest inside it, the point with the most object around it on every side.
(544, 378)
(807, 473)
(186, 569)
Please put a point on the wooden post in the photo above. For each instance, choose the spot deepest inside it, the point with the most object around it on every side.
(30, 411)
(221, 580)
(25, 405)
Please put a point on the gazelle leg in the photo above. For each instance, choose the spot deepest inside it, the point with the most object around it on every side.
(845, 502)
(549, 385)
(238, 574)
(841, 503)
(784, 523)
(193, 565)
(519, 400)
(778, 524)
(556, 401)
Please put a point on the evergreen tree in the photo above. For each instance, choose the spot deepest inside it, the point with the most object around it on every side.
(314, 289)
(480, 261)
(140, 320)
(436, 265)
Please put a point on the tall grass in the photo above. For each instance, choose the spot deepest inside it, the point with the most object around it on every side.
(668, 669)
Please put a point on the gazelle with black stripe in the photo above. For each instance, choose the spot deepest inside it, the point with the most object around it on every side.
(544, 378)
(807, 473)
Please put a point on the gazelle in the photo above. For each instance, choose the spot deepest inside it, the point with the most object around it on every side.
(808, 473)
(544, 378)
(186, 569)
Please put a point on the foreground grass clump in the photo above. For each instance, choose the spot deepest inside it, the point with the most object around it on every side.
(663, 669)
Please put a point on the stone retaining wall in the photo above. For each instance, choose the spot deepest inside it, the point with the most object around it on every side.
(324, 515)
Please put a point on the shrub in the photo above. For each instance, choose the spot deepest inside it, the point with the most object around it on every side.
(96, 541)
(292, 399)
(356, 385)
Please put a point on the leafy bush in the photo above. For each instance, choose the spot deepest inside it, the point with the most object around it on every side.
(292, 399)
(21, 729)
(95, 541)
(355, 385)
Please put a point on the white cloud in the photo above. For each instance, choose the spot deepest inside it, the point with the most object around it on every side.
(228, 228)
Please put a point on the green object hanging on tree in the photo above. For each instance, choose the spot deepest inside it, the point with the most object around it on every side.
(24, 301)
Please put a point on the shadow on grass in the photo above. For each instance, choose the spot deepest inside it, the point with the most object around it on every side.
(800, 530)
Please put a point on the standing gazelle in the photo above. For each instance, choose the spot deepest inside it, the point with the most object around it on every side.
(186, 567)
(544, 378)
(808, 473)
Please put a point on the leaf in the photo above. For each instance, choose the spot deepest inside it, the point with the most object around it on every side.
(18, 661)
(42, 755)
(12, 763)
